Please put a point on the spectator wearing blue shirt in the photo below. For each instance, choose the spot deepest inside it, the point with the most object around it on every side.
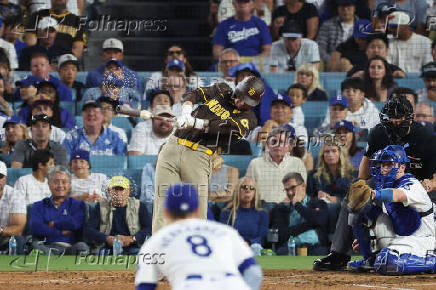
(113, 49)
(302, 217)
(58, 219)
(93, 137)
(245, 213)
(122, 216)
(246, 33)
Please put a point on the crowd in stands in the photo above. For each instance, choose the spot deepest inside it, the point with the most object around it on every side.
(58, 124)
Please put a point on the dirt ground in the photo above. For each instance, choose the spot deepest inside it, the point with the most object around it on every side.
(274, 280)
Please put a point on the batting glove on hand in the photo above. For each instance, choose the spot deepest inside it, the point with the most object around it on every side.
(145, 115)
(185, 121)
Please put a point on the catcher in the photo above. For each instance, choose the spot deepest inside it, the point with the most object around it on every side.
(400, 213)
(223, 114)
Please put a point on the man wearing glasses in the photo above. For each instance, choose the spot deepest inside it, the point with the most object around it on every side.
(300, 216)
(112, 49)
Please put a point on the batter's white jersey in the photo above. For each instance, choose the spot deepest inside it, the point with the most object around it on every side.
(194, 254)
(422, 241)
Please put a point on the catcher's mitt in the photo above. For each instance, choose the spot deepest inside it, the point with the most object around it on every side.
(358, 196)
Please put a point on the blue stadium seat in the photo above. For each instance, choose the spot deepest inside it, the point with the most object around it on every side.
(379, 105)
(239, 161)
(138, 161)
(311, 123)
(6, 158)
(279, 82)
(103, 161)
(15, 173)
(409, 82)
(69, 106)
(122, 122)
(314, 109)
(79, 121)
(81, 76)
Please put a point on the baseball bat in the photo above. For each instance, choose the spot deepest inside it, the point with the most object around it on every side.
(126, 110)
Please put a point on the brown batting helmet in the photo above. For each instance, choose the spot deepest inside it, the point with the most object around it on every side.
(250, 90)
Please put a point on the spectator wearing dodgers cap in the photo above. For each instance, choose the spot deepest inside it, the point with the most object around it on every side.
(112, 49)
(346, 132)
(407, 49)
(119, 215)
(338, 106)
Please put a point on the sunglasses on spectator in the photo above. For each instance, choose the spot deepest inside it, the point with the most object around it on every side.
(172, 52)
(247, 187)
(305, 73)
(40, 117)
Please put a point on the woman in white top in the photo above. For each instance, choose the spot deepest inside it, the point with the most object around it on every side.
(86, 186)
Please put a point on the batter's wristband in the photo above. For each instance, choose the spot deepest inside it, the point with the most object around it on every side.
(386, 194)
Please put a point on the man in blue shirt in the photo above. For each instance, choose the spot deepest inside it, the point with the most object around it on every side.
(246, 33)
(58, 219)
(113, 49)
(122, 216)
(93, 137)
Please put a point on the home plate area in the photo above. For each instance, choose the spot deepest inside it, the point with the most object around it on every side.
(273, 279)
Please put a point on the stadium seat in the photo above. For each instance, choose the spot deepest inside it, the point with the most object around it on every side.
(104, 161)
(279, 82)
(239, 161)
(314, 109)
(6, 158)
(138, 161)
(311, 123)
(412, 83)
(69, 106)
(15, 173)
(79, 121)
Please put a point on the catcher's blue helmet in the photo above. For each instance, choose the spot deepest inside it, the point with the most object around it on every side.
(392, 153)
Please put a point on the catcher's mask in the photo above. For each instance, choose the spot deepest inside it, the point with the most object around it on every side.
(392, 153)
(397, 107)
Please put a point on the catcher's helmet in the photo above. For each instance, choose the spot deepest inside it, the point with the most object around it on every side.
(250, 90)
(397, 107)
(392, 153)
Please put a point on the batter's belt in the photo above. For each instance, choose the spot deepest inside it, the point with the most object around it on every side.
(193, 145)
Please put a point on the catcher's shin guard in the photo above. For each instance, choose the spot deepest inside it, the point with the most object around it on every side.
(389, 262)
(361, 233)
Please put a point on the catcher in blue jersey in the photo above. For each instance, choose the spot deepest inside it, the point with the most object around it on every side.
(398, 214)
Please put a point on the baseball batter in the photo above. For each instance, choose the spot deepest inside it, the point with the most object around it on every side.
(404, 218)
(186, 157)
(194, 253)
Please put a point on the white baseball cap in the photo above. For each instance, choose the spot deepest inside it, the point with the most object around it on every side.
(398, 18)
(67, 58)
(3, 169)
(47, 22)
(113, 43)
